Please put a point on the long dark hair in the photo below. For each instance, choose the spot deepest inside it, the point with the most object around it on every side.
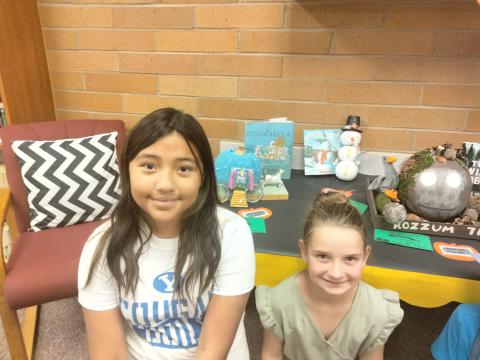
(199, 248)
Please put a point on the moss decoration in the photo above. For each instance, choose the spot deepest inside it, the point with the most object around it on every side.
(380, 201)
(422, 160)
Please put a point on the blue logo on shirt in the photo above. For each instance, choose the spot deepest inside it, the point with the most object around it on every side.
(168, 322)
(164, 282)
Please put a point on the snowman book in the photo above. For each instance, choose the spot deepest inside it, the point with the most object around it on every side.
(321, 151)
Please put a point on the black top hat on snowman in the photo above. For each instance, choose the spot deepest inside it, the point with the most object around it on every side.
(353, 123)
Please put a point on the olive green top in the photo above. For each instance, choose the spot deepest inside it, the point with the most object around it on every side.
(373, 316)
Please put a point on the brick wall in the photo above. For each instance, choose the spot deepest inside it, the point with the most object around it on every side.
(409, 68)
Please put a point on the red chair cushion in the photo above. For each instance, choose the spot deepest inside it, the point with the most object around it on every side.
(43, 266)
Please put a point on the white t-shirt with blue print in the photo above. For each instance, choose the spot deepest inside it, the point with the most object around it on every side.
(157, 325)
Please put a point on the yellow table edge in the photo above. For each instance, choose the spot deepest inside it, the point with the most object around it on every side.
(418, 289)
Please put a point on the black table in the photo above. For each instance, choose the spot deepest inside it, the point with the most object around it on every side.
(423, 278)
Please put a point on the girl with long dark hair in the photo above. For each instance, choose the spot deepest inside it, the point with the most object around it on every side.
(169, 275)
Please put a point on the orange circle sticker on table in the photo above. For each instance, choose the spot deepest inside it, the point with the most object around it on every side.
(455, 252)
(261, 212)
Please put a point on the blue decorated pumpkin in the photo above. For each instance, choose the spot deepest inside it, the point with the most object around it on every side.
(238, 169)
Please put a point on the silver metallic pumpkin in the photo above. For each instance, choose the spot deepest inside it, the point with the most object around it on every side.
(441, 191)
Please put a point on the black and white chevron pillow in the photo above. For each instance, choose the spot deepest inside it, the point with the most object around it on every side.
(69, 181)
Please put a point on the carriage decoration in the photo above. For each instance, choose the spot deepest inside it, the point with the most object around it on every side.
(239, 177)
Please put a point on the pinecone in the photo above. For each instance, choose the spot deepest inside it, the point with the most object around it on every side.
(407, 165)
(450, 154)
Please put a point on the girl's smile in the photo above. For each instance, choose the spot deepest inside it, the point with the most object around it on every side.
(335, 258)
(163, 202)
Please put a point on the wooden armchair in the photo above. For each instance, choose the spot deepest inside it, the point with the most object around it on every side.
(42, 266)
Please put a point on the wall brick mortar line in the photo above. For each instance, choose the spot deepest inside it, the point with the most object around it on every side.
(238, 85)
(375, 68)
(77, 40)
(195, 27)
(414, 140)
(282, 62)
(421, 107)
(388, 150)
(158, 84)
(233, 121)
(422, 92)
(74, 5)
(126, 5)
(384, 17)
(333, 44)
(419, 130)
(196, 76)
(219, 119)
(327, 88)
(232, 5)
(382, 56)
(279, 30)
(114, 22)
(78, 110)
(84, 81)
(362, 56)
(156, 52)
(399, 129)
(465, 123)
(249, 99)
(115, 29)
(111, 112)
(122, 105)
(85, 28)
(160, 96)
(193, 53)
(239, 40)
(289, 101)
(90, 72)
(276, 29)
(264, 54)
(117, 62)
(403, 82)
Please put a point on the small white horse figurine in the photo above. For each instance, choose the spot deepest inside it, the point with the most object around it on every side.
(274, 179)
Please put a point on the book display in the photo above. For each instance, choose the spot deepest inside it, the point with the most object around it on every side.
(272, 142)
(321, 151)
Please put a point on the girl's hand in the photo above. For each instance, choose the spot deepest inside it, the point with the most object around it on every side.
(376, 354)
(272, 348)
(106, 339)
(220, 326)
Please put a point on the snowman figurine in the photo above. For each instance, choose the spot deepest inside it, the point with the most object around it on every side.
(349, 152)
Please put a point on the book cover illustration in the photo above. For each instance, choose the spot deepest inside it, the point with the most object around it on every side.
(472, 152)
(321, 151)
(272, 142)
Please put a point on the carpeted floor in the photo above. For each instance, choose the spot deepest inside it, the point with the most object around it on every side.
(61, 333)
